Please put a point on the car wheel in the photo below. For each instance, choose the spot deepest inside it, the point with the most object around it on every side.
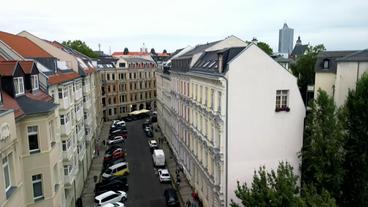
(123, 199)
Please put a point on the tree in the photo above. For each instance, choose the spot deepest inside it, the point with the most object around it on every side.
(81, 47)
(355, 188)
(164, 51)
(279, 189)
(126, 51)
(265, 47)
(323, 149)
(303, 69)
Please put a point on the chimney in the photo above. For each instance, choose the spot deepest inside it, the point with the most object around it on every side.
(220, 56)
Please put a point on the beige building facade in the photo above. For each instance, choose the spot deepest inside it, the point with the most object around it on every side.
(127, 86)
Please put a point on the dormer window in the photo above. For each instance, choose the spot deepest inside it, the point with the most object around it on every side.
(19, 86)
(326, 64)
(34, 82)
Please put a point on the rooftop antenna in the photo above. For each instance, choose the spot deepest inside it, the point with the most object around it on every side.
(99, 47)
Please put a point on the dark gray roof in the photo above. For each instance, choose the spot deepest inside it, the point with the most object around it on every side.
(361, 55)
(137, 60)
(30, 106)
(299, 50)
(208, 62)
(198, 49)
(331, 56)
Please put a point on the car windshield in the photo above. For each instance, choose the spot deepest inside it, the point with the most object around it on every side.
(97, 201)
(108, 171)
(165, 174)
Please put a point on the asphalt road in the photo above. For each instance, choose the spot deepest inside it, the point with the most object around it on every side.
(145, 189)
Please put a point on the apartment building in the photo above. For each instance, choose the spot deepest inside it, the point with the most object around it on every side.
(70, 79)
(214, 105)
(31, 154)
(337, 72)
(128, 84)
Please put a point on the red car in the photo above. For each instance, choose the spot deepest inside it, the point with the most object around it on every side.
(116, 154)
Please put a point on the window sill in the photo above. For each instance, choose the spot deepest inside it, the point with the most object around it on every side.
(34, 151)
(38, 199)
(10, 192)
(286, 109)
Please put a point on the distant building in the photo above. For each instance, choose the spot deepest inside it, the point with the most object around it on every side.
(286, 39)
(337, 72)
(299, 49)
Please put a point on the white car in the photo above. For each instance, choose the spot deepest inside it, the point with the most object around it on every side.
(152, 144)
(117, 204)
(118, 123)
(164, 175)
(110, 197)
(117, 139)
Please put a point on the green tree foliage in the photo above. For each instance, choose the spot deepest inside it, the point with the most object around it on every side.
(303, 69)
(265, 47)
(355, 189)
(153, 51)
(126, 51)
(323, 149)
(164, 51)
(279, 189)
(81, 47)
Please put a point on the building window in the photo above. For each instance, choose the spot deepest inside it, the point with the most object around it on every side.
(282, 97)
(37, 187)
(7, 174)
(219, 96)
(33, 139)
(34, 81)
(19, 86)
(326, 64)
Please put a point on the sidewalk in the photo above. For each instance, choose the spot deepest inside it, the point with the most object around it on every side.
(184, 189)
(95, 169)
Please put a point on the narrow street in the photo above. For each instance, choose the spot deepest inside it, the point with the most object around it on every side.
(145, 189)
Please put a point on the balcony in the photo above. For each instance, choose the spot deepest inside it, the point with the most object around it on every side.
(79, 115)
(86, 88)
(80, 135)
(78, 94)
(87, 104)
(65, 129)
(68, 154)
(64, 103)
(81, 151)
(70, 177)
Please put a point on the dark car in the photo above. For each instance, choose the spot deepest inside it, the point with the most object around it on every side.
(171, 197)
(118, 127)
(114, 185)
(115, 154)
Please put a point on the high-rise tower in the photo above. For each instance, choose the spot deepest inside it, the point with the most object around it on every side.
(286, 39)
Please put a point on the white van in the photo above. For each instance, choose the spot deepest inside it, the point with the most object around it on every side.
(158, 157)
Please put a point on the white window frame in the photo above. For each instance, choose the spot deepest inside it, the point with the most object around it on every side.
(34, 181)
(34, 82)
(33, 133)
(5, 162)
(282, 99)
(18, 85)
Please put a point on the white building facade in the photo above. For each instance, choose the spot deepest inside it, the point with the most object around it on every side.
(219, 116)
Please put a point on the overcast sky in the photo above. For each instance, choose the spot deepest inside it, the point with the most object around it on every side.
(173, 24)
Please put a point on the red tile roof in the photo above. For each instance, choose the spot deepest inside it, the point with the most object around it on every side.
(62, 77)
(27, 66)
(163, 54)
(23, 46)
(7, 67)
(39, 96)
(2, 58)
(11, 103)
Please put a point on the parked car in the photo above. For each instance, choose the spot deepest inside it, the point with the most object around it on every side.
(110, 197)
(120, 169)
(119, 130)
(116, 204)
(158, 157)
(114, 185)
(116, 140)
(171, 197)
(113, 161)
(164, 175)
(112, 148)
(152, 144)
(123, 179)
(146, 123)
(116, 154)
